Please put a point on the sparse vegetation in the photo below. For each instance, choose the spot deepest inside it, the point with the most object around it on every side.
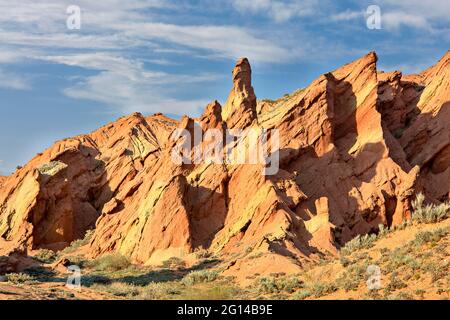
(111, 262)
(352, 277)
(45, 256)
(358, 243)
(320, 289)
(51, 168)
(424, 237)
(174, 263)
(302, 294)
(19, 278)
(201, 276)
(416, 268)
(429, 213)
(78, 243)
(284, 97)
(201, 253)
(278, 284)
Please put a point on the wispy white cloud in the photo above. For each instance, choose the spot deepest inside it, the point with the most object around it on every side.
(428, 15)
(396, 19)
(111, 31)
(431, 10)
(347, 15)
(128, 86)
(223, 41)
(13, 81)
(279, 10)
(118, 25)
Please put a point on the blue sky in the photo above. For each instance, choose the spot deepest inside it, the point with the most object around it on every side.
(176, 56)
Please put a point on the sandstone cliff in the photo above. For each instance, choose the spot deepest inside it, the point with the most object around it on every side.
(355, 147)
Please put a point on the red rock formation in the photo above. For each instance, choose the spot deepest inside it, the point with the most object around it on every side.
(426, 137)
(240, 109)
(355, 146)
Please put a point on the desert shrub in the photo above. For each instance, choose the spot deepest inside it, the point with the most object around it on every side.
(420, 293)
(201, 253)
(399, 258)
(395, 283)
(78, 243)
(401, 296)
(302, 294)
(436, 270)
(119, 289)
(373, 295)
(345, 262)
(358, 243)
(19, 278)
(51, 168)
(199, 277)
(77, 260)
(45, 256)
(320, 289)
(383, 230)
(215, 292)
(352, 277)
(174, 263)
(158, 291)
(429, 213)
(424, 237)
(255, 255)
(110, 262)
(278, 285)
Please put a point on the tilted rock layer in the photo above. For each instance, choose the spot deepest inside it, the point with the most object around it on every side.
(355, 148)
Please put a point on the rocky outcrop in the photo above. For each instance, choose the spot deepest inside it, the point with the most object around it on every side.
(355, 147)
(60, 193)
(240, 109)
(426, 138)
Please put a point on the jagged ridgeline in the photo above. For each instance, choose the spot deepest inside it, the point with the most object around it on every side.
(356, 146)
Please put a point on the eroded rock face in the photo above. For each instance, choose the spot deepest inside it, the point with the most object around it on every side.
(240, 109)
(426, 138)
(355, 146)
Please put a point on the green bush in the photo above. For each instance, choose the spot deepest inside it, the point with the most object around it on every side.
(382, 230)
(174, 263)
(429, 213)
(424, 237)
(278, 285)
(158, 291)
(120, 289)
(302, 294)
(201, 253)
(320, 289)
(358, 243)
(19, 278)
(45, 256)
(351, 278)
(52, 168)
(395, 283)
(78, 243)
(199, 277)
(111, 262)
